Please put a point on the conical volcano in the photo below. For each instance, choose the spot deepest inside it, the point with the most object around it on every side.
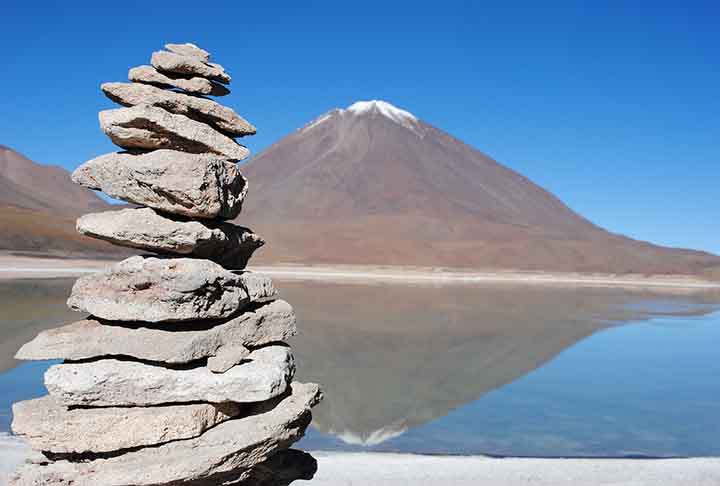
(374, 184)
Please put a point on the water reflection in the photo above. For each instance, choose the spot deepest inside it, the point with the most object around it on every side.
(395, 357)
(28, 307)
(403, 367)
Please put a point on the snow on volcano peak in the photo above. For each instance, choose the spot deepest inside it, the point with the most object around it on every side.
(383, 107)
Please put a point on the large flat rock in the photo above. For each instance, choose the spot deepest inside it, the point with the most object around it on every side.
(201, 86)
(51, 427)
(115, 383)
(167, 290)
(172, 62)
(227, 357)
(194, 185)
(149, 127)
(190, 50)
(200, 109)
(176, 344)
(225, 243)
(229, 448)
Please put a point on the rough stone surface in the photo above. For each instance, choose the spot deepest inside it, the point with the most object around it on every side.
(171, 62)
(281, 469)
(176, 344)
(180, 375)
(259, 287)
(150, 127)
(227, 357)
(51, 427)
(114, 383)
(167, 290)
(231, 447)
(202, 86)
(225, 243)
(194, 185)
(189, 49)
(197, 108)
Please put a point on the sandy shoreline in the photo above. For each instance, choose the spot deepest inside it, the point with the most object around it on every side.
(386, 469)
(15, 267)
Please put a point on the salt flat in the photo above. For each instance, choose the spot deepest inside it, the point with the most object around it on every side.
(12, 452)
(412, 275)
(12, 267)
(383, 469)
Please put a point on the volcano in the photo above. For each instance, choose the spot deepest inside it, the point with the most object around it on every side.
(373, 184)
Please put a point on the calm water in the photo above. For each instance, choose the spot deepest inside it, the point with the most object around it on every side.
(471, 369)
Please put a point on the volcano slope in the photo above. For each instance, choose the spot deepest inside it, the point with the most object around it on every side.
(374, 185)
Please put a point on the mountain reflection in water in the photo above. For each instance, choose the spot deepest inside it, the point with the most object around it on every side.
(394, 358)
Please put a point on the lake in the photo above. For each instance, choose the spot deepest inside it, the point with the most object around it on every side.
(470, 369)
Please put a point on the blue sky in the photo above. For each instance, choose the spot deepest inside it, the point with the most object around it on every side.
(613, 106)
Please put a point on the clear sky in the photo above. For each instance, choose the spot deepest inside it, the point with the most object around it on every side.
(614, 106)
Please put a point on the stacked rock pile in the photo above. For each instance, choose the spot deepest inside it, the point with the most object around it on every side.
(180, 375)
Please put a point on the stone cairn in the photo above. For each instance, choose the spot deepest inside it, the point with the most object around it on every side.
(180, 375)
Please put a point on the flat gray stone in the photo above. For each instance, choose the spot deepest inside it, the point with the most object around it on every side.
(52, 427)
(201, 86)
(176, 344)
(200, 109)
(226, 449)
(167, 290)
(150, 127)
(171, 62)
(225, 243)
(227, 357)
(115, 383)
(193, 185)
(189, 49)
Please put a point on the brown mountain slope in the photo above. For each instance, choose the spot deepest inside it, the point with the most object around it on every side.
(372, 184)
(29, 185)
(38, 208)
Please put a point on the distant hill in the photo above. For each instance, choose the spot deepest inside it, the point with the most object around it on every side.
(38, 208)
(29, 185)
(373, 184)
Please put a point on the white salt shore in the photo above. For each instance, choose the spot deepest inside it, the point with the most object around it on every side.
(15, 267)
(13, 451)
(383, 469)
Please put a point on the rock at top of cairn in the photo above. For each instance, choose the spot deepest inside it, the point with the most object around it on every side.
(170, 62)
(200, 86)
(189, 49)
